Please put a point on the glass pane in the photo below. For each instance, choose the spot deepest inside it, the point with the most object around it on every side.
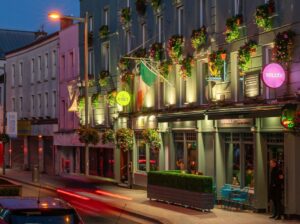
(179, 156)
(233, 163)
(192, 157)
(141, 148)
(249, 165)
(154, 160)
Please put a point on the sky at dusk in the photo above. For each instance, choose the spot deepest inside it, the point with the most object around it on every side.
(31, 15)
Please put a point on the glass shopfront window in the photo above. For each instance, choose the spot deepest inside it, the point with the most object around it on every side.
(141, 150)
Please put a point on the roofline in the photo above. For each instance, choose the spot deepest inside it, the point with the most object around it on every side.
(25, 31)
(38, 41)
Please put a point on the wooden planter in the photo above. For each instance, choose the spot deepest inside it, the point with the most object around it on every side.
(199, 200)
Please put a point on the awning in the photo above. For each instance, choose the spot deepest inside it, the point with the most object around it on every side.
(244, 112)
(181, 116)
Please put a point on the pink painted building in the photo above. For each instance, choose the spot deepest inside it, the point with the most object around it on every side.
(67, 146)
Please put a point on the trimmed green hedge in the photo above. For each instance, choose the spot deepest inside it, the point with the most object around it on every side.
(174, 179)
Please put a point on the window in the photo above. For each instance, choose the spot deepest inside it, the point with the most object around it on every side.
(63, 65)
(128, 41)
(160, 28)
(71, 63)
(105, 53)
(90, 24)
(32, 70)
(13, 104)
(46, 100)
(20, 73)
(202, 11)
(40, 103)
(143, 34)
(91, 62)
(21, 104)
(13, 75)
(238, 7)
(39, 68)
(180, 20)
(32, 103)
(54, 99)
(54, 64)
(128, 3)
(46, 66)
(106, 16)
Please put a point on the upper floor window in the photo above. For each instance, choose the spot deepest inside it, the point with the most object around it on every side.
(54, 99)
(202, 11)
(91, 24)
(143, 34)
(13, 104)
(46, 59)
(105, 53)
(32, 70)
(21, 104)
(180, 20)
(160, 28)
(20, 73)
(128, 3)
(13, 75)
(71, 63)
(106, 16)
(63, 65)
(128, 41)
(40, 102)
(238, 7)
(91, 62)
(32, 103)
(53, 63)
(46, 101)
(39, 68)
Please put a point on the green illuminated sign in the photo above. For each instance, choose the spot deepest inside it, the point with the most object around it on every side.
(123, 98)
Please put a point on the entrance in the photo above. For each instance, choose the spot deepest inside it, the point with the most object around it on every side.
(124, 166)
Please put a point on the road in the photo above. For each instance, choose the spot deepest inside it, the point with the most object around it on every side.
(91, 211)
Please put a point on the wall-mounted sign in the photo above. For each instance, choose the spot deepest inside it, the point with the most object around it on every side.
(273, 75)
(123, 98)
(237, 123)
(252, 85)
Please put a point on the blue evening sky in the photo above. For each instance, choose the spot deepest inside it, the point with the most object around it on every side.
(31, 15)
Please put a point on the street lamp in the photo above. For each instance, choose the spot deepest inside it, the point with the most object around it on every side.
(57, 16)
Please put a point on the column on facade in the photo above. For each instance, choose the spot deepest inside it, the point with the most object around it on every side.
(201, 150)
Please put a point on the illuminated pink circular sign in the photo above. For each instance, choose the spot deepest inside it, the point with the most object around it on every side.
(273, 75)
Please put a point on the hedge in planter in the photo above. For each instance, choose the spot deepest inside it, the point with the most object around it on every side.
(189, 182)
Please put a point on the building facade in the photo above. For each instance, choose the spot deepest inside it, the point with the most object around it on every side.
(31, 92)
(214, 112)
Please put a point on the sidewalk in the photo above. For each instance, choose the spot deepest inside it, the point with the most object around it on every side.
(139, 204)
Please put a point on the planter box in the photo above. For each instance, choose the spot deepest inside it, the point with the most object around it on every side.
(182, 197)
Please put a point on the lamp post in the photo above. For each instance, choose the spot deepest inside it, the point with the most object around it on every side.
(58, 16)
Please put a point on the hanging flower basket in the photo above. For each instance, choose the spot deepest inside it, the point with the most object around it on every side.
(126, 76)
(123, 64)
(111, 98)
(88, 135)
(95, 100)
(124, 137)
(245, 53)
(4, 138)
(125, 17)
(233, 28)
(141, 6)
(103, 81)
(80, 103)
(289, 117)
(263, 15)
(156, 52)
(216, 62)
(151, 137)
(165, 68)
(186, 67)
(108, 136)
(155, 5)
(175, 48)
(283, 49)
(103, 31)
(199, 38)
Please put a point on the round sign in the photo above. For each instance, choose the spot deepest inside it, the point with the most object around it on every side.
(273, 75)
(123, 98)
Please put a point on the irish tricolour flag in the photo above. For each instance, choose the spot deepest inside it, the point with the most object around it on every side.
(146, 80)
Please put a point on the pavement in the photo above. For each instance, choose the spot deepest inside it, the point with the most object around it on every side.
(135, 202)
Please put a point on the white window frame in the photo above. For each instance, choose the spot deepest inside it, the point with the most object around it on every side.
(91, 62)
(128, 3)
(46, 100)
(46, 63)
(54, 62)
(32, 104)
(13, 75)
(180, 17)
(91, 23)
(106, 55)
(143, 34)
(32, 70)
(20, 73)
(21, 106)
(202, 12)
(40, 104)
(160, 26)
(128, 41)
(39, 68)
(106, 16)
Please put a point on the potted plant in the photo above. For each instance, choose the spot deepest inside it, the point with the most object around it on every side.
(95, 100)
(156, 51)
(233, 28)
(103, 31)
(141, 7)
(125, 17)
(124, 137)
(151, 137)
(186, 67)
(111, 97)
(108, 136)
(199, 38)
(155, 5)
(88, 135)
(283, 47)
(164, 68)
(263, 15)
(175, 48)
(216, 62)
(81, 102)
(244, 55)
(103, 81)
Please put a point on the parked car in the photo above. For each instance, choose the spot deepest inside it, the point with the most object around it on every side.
(22, 210)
